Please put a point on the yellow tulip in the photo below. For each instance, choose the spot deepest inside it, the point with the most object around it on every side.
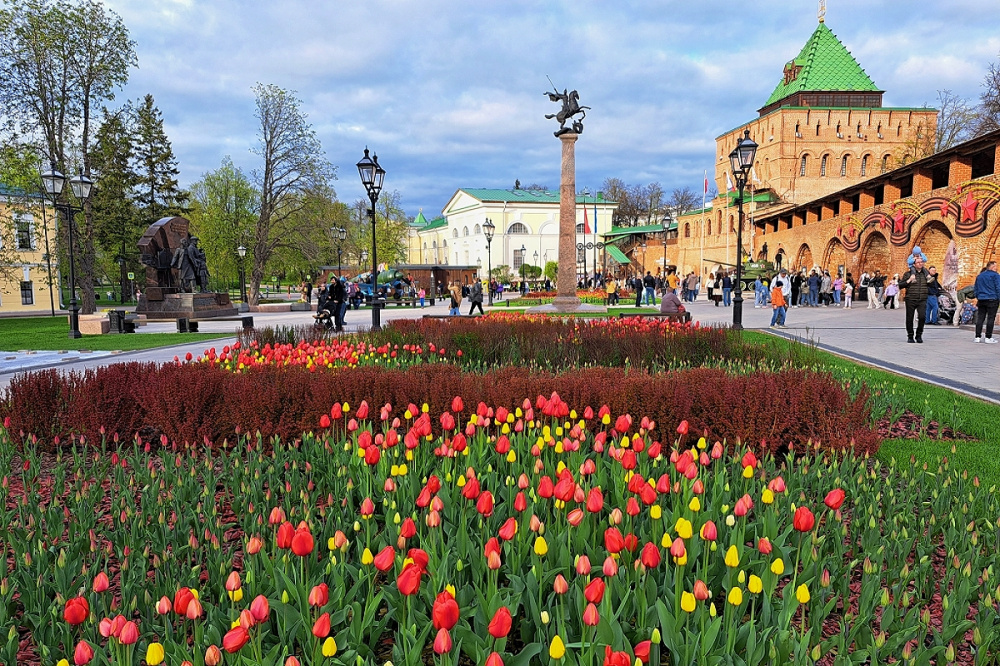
(756, 585)
(544, 617)
(655, 512)
(329, 647)
(778, 567)
(802, 594)
(735, 596)
(450, 589)
(684, 528)
(541, 547)
(367, 557)
(702, 443)
(748, 472)
(695, 504)
(62, 662)
(767, 497)
(154, 654)
(236, 595)
(687, 602)
(732, 557)
(511, 456)
(556, 648)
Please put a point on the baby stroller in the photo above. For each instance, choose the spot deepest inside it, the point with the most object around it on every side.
(946, 308)
(323, 317)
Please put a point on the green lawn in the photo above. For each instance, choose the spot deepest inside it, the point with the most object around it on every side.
(893, 392)
(51, 334)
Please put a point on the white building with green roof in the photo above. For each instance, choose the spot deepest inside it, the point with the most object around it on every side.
(526, 226)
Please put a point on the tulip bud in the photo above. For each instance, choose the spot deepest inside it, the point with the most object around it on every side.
(213, 656)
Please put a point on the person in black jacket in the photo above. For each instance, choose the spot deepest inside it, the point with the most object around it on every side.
(933, 291)
(915, 282)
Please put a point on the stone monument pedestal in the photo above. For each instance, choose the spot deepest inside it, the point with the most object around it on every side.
(186, 306)
(567, 301)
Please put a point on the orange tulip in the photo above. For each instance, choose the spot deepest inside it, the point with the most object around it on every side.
(321, 628)
(213, 656)
(442, 642)
(235, 639)
(233, 582)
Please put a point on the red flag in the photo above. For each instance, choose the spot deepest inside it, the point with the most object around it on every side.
(586, 222)
(706, 182)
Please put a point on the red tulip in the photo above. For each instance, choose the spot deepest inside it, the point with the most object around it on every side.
(83, 653)
(613, 540)
(277, 516)
(595, 500)
(642, 651)
(408, 580)
(442, 642)
(284, 537)
(363, 410)
(101, 582)
(500, 624)
(764, 546)
(777, 485)
(117, 624)
(324, 422)
(444, 613)
(650, 556)
(610, 567)
(583, 565)
(319, 595)
(494, 659)
(835, 498)
(130, 633)
(594, 592)
(321, 628)
(485, 504)
(385, 558)
(508, 530)
(682, 428)
(709, 532)
(803, 520)
(701, 592)
(456, 404)
(77, 610)
(292, 661)
(408, 529)
(677, 548)
(233, 582)
(591, 617)
(616, 658)
(749, 460)
(235, 639)
(303, 542)
(447, 421)
(545, 487)
(575, 517)
(260, 608)
(372, 455)
(631, 542)
(419, 557)
(367, 507)
(246, 619)
(560, 586)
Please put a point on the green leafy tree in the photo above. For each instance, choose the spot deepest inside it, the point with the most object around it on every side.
(223, 216)
(60, 60)
(158, 194)
(551, 270)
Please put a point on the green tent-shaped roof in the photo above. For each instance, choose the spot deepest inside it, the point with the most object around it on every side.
(419, 220)
(823, 64)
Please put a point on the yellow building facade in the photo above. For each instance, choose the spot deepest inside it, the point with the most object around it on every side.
(25, 284)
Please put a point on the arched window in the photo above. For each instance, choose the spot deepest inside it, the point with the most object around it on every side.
(802, 165)
(732, 225)
(885, 163)
(465, 231)
(843, 166)
(579, 228)
(708, 230)
(687, 230)
(864, 166)
(454, 233)
(517, 228)
(822, 166)
(476, 230)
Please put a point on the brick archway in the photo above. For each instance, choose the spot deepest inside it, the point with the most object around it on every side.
(875, 254)
(834, 257)
(933, 241)
(804, 257)
(991, 248)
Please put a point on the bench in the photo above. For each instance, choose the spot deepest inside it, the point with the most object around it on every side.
(187, 325)
(677, 317)
(409, 302)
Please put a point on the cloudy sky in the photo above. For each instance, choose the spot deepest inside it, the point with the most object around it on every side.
(449, 93)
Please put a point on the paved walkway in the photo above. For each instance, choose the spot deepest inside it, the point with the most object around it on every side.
(877, 337)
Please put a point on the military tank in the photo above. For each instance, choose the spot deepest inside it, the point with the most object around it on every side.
(751, 271)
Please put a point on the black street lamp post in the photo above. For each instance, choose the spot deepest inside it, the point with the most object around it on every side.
(488, 229)
(741, 161)
(53, 183)
(372, 176)
(665, 223)
(524, 256)
(340, 235)
(242, 251)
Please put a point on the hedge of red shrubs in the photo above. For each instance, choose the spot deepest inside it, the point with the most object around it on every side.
(195, 403)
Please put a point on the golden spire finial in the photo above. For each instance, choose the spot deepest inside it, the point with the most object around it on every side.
(822, 11)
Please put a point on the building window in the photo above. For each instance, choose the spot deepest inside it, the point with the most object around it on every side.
(477, 230)
(732, 225)
(517, 228)
(885, 163)
(579, 228)
(864, 166)
(708, 231)
(27, 294)
(822, 167)
(802, 165)
(519, 259)
(843, 166)
(687, 230)
(465, 231)
(24, 235)
(454, 233)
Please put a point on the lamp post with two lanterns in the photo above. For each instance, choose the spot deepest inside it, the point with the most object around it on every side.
(53, 183)
(340, 235)
(741, 161)
(372, 176)
(488, 229)
(242, 251)
(665, 223)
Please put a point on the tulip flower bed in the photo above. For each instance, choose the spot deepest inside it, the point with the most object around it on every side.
(197, 402)
(500, 533)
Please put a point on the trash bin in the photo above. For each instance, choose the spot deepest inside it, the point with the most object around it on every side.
(117, 319)
(182, 325)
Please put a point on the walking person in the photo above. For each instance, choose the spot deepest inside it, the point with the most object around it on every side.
(456, 298)
(779, 305)
(476, 297)
(649, 289)
(758, 293)
(717, 289)
(933, 291)
(727, 289)
(915, 282)
(863, 283)
(890, 293)
(876, 284)
(848, 294)
(826, 289)
(987, 299)
(814, 284)
(796, 290)
(711, 287)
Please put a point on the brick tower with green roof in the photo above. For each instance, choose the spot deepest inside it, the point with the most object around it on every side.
(824, 74)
